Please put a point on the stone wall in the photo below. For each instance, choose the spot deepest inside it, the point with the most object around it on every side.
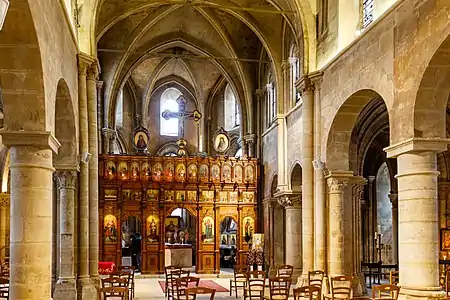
(269, 159)
(294, 143)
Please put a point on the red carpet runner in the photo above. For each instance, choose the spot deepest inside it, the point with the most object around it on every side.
(203, 283)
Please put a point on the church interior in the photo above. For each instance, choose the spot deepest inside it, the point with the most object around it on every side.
(161, 148)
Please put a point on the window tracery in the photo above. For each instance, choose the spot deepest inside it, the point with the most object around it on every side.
(367, 12)
(168, 101)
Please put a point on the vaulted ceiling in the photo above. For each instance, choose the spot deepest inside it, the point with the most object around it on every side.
(197, 41)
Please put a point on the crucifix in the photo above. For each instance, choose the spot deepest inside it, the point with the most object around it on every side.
(182, 115)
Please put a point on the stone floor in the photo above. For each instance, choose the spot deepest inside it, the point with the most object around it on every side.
(148, 288)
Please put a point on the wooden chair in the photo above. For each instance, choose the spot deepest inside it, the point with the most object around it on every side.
(315, 278)
(285, 271)
(341, 288)
(172, 277)
(239, 279)
(254, 288)
(167, 271)
(385, 291)
(114, 282)
(311, 292)
(257, 274)
(393, 277)
(183, 283)
(194, 291)
(279, 287)
(4, 288)
(132, 271)
(113, 293)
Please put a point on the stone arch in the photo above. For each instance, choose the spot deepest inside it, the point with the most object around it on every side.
(22, 81)
(65, 128)
(296, 178)
(337, 152)
(170, 147)
(433, 94)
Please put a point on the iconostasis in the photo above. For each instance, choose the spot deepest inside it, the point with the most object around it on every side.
(149, 189)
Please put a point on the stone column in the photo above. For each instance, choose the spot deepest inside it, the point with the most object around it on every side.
(268, 231)
(394, 197)
(109, 135)
(359, 287)
(336, 245)
(364, 230)
(307, 88)
(4, 218)
(259, 99)
(86, 287)
(293, 247)
(372, 221)
(31, 213)
(418, 229)
(66, 287)
(99, 86)
(250, 139)
(320, 231)
(92, 77)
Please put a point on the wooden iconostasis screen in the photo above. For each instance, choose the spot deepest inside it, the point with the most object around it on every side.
(146, 192)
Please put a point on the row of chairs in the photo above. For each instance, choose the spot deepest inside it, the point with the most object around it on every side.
(117, 283)
(180, 285)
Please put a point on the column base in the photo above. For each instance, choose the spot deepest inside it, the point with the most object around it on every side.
(359, 285)
(95, 279)
(87, 289)
(302, 280)
(421, 293)
(65, 290)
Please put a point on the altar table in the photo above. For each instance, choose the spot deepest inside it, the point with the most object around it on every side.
(179, 255)
(106, 267)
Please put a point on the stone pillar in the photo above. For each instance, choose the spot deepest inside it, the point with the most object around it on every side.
(86, 287)
(250, 140)
(109, 135)
(99, 86)
(364, 231)
(259, 120)
(92, 77)
(394, 197)
(320, 230)
(418, 229)
(359, 287)
(4, 218)
(269, 223)
(372, 211)
(66, 287)
(307, 88)
(293, 218)
(336, 245)
(31, 213)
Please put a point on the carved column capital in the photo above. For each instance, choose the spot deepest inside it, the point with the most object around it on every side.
(394, 200)
(109, 133)
(290, 201)
(305, 85)
(250, 138)
(336, 185)
(84, 62)
(371, 179)
(66, 179)
(286, 65)
(93, 71)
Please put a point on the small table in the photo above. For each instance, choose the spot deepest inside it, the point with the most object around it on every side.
(106, 267)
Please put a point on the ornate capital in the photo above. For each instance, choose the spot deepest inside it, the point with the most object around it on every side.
(394, 199)
(66, 179)
(84, 62)
(93, 71)
(99, 84)
(259, 93)
(286, 65)
(250, 138)
(290, 201)
(371, 179)
(305, 85)
(336, 185)
(109, 133)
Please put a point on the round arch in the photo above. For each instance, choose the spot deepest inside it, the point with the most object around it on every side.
(296, 178)
(338, 139)
(65, 128)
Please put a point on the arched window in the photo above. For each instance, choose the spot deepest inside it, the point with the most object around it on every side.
(169, 102)
(231, 109)
(271, 103)
(367, 11)
(295, 73)
(119, 108)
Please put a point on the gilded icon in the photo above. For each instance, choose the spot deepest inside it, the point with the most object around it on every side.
(134, 170)
(180, 196)
(157, 171)
(248, 197)
(123, 169)
(192, 196)
(152, 195)
(110, 229)
(153, 229)
(248, 229)
(204, 173)
(168, 172)
(169, 195)
(233, 196)
(215, 173)
(180, 173)
(208, 230)
(145, 169)
(226, 173)
(192, 172)
(223, 196)
(249, 174)
(207, 196)
(110, 168)
(238, 173)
